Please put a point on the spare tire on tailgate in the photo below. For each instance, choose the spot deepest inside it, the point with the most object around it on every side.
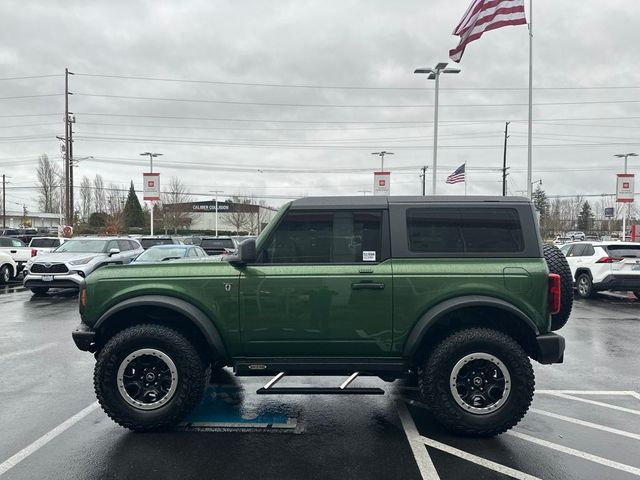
(558, 264)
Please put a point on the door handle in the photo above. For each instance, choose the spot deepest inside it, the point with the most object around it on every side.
(14, 251)
(367, 286)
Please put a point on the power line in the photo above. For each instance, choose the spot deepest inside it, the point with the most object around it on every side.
(32, 96)
(329, 105)
(32, 76)
(344, 87)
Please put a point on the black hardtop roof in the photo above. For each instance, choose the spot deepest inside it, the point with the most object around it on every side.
(384, 201)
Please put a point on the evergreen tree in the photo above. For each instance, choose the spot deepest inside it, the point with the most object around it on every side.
(540, 201)
(585, 218)
(133, 215)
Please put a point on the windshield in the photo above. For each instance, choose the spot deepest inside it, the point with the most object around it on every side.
(160, 254)
(150, 242)
(83, 245)
(44, 242)
(626, 251)
(217, 243)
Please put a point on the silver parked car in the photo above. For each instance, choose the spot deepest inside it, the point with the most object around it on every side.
(69, 264)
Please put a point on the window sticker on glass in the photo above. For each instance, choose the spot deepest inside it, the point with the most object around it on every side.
(368, 256)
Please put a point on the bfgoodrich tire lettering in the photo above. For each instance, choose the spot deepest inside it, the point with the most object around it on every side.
(190, 376)
(436, 382)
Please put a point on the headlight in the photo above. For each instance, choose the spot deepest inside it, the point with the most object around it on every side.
(81, 261)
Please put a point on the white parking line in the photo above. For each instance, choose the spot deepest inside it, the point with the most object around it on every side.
(425, 465)
(635, 395)
(496, 467)
(576, 453)
(10, 355)
(600, 404)
(46, 438)
(582, 423)
(589, 392)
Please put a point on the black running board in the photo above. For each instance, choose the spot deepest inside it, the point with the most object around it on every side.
(319, 391)
(269, 389)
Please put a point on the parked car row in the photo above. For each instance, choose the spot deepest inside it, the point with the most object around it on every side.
(64, 263)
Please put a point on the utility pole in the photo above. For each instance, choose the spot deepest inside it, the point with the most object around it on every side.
(66, 143)
(71, 121)
(4, 211)
(68, 179)
(504, 160)
(423, 176)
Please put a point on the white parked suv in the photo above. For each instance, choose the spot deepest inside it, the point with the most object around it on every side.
(599, 266)
(69, 264)
(575, 236)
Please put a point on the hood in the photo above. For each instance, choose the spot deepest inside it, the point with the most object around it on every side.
(165, 270)
(53, 257)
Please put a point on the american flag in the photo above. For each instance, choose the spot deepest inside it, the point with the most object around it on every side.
(485, 15)
(458, 175)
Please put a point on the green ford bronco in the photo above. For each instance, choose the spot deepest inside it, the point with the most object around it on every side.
(455, 292)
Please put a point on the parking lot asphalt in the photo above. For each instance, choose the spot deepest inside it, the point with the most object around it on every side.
(584, 422)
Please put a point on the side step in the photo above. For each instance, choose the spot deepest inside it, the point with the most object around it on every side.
(341, 390)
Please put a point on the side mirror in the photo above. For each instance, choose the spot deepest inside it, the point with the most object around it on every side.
(114, 251)
(246, 253)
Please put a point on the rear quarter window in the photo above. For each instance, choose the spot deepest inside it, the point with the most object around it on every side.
(449, 230)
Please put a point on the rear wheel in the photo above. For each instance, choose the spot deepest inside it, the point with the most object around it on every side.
(584, 285)
(40, 290)
(478, 382)
(149, 377)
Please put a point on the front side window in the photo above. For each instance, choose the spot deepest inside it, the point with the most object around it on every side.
(325, 237)
(470, 231)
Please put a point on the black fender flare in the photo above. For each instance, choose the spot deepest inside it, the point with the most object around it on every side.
(194, 314)
(431, 317)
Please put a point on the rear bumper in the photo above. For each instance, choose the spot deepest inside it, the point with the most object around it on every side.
(618, 282)
(550, 348)
(84, 338)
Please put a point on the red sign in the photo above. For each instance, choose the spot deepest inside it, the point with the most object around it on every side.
(151, 186)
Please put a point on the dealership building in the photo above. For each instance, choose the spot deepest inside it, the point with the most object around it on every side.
(232, 217)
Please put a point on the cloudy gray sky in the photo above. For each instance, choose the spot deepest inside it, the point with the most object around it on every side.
(290, 134)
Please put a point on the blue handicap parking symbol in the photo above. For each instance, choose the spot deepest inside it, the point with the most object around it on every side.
(224, 407)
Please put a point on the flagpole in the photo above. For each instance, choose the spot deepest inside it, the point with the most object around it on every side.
(529, 152)
(466, 178)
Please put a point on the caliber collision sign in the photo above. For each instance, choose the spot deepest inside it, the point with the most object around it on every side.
(151, 186)
(381, 183)
(625, 188)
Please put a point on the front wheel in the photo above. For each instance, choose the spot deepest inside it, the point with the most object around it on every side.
(149, 377)
(584, 286)
(5, 274)
(478, 382)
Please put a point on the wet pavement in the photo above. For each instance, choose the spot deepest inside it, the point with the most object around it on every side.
(584, 422)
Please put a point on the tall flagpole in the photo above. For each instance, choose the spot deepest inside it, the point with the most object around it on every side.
(529, 152)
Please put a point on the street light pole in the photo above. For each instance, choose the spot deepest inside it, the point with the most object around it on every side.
(381, 155)
(151, 155)
(434, 74)
(624, 214)
(216, 193)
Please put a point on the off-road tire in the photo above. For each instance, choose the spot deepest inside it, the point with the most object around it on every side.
(39, 290)
(190, 367)
(435, 382)
(5, 274)
(584, 286)
(557, 263)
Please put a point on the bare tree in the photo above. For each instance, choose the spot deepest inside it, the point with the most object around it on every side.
(86, 198)
(241, 217)
(175, 216)
(48, 185)
(99, 198)
(115, 196)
